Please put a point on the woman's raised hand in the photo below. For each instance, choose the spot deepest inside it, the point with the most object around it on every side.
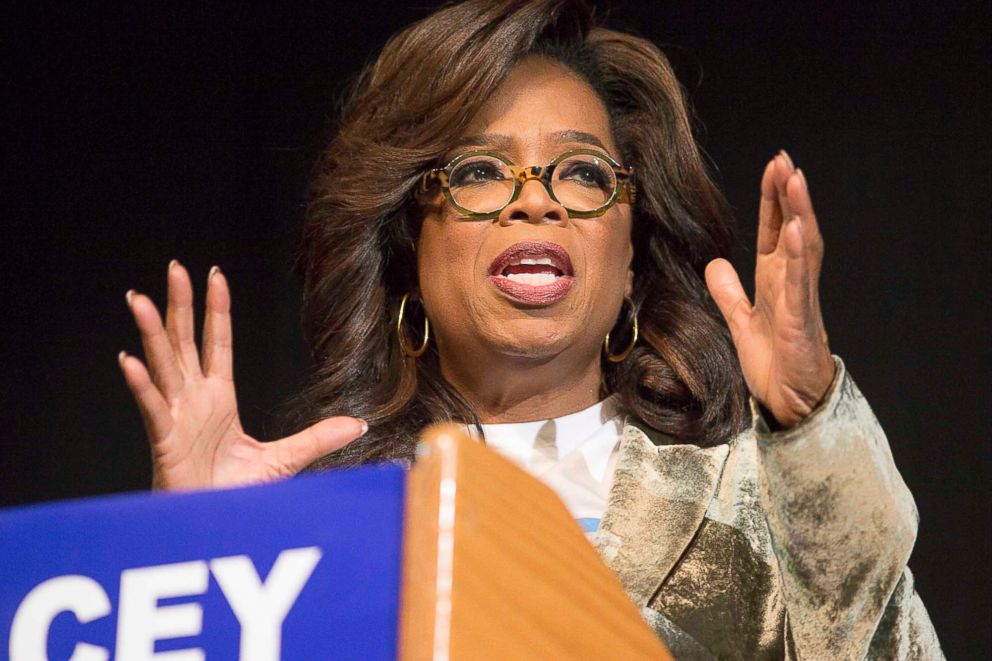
(780, 340)
(188, 404)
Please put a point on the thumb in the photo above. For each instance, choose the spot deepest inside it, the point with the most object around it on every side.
(728, 293)
(294, 453)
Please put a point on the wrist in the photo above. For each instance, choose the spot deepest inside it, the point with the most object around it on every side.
(804, 403)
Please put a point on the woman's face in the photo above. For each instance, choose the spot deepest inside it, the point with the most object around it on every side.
(478, 303)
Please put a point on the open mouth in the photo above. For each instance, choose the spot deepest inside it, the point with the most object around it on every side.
(536, 272)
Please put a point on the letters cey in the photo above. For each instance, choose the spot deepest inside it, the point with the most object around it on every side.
(260, 607)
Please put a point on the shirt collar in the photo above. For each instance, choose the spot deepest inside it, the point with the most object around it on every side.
(593, 431)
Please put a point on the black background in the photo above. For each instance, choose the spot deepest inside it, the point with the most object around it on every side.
(133, 135)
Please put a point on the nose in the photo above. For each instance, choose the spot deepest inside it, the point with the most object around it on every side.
(534, 205)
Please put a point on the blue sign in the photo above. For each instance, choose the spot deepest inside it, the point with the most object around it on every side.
(303, 569)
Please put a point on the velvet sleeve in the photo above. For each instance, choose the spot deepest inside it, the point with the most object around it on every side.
(843, 525)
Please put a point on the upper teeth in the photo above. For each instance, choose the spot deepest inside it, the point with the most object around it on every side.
(533, 279)
(533, 262)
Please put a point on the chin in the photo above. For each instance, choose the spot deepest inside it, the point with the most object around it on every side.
(536, 339)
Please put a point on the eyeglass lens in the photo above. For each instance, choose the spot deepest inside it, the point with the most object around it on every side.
(483, 183)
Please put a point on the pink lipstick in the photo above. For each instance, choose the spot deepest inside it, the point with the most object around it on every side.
(533, 272)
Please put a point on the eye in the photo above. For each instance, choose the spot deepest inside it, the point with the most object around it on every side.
(586, 173)
(477, 171)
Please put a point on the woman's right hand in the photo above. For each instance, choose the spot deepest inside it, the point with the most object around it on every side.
(188, 404)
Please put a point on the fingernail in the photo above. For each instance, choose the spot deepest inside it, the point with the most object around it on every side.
(802, 178)
(365, 426)
(214, 270)
(129, 296)
(788, 159)
(173, 263)
(120, 358)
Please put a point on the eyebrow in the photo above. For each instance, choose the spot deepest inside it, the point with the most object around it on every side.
(578, 136)
(502, 142)
(493, 140)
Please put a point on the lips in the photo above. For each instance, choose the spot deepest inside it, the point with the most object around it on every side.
(533, 272)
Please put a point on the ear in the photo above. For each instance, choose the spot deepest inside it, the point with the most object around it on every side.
(628, 289)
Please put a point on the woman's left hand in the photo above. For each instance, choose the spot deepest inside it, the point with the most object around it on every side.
(780, 340)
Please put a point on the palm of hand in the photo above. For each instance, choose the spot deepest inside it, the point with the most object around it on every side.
(220, 452)
(780, 340)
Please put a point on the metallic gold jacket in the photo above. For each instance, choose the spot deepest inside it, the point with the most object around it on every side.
(775, 545)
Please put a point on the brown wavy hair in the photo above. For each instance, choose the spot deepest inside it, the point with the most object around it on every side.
(358, 254)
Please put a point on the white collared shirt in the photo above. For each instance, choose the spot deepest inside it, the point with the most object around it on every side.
(574, 454)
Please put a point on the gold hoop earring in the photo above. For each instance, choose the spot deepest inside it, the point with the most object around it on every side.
(407, 349)
(619, 357)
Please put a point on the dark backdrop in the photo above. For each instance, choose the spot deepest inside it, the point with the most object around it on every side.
(133, 135)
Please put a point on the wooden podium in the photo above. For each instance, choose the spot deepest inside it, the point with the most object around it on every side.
(495, 567)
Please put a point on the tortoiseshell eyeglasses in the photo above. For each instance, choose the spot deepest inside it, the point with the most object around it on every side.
(480, 184)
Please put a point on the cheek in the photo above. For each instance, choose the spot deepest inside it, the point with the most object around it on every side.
(609, 254)
(612, 253)
(446, 256)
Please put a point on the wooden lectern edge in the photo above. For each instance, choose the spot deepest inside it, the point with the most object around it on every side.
(494, 567)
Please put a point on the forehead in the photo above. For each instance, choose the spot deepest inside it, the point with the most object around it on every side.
(542, 104)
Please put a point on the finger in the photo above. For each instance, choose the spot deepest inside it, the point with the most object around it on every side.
(783, 170)
(788, 159)
(769, 212)
(217, 356)
(294, 453)
(797, 271)
(801, 201)
(153, 407)
(179, 318)
(726, 289)
(159, 353)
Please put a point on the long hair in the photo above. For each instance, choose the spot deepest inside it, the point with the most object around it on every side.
(358, 255)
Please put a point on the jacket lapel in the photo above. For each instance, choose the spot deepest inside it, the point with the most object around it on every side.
(659, 495)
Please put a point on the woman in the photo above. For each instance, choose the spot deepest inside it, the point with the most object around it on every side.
(513, 228)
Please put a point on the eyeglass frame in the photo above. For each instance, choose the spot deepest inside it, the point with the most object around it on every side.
(625, 191)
